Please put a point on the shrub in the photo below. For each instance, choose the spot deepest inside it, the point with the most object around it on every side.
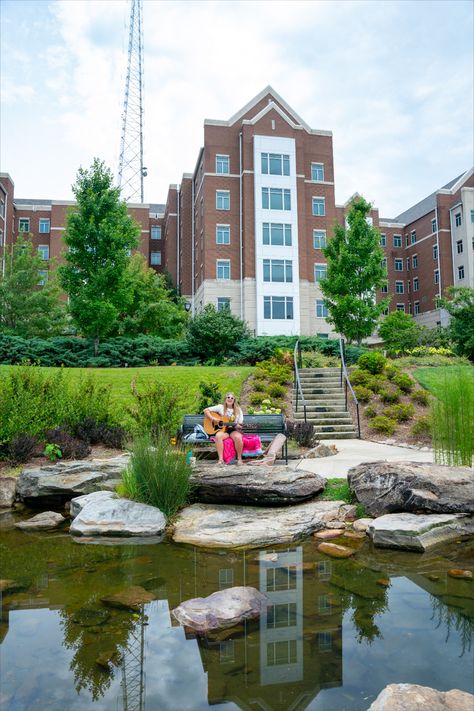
(453, 418)
(158, 407)
(422, 397)
(301, 432)
(21, 447)
(70, 447)
(258, 385)
(214, 334)
(362, 394)
(399, 331)
(257, 398)
(359, 377)
(375, 383)
(276, 390)
(383, 424)
(52, 452)
(314, 359)
(274, 371)
(422, 427)
(404, 382)
(370, 412)
(209, 395)
(390, 395)
(94, 432)
(400, 413)
(391, 371)
(374, 362)
(158, 474)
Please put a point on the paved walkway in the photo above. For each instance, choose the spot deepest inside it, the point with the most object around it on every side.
(355, 451)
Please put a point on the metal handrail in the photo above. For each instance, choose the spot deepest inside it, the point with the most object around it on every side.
(297, 382)
(347, 383)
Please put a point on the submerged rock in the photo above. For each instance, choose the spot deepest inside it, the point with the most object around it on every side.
(335, 551)
(46, 519)
(222, 609)
(131, 599)
(419, 532)
(405, 697)
(461, 574)
(90, 617)
(327, 533)
(109, 516)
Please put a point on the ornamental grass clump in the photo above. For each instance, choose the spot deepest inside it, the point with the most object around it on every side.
(158, 474)
(452, 415)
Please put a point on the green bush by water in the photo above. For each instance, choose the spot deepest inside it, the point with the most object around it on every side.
(452, 417)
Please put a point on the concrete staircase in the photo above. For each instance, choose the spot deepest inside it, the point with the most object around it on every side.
(325, 404)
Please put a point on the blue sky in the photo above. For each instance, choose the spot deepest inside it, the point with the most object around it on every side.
(392, 80)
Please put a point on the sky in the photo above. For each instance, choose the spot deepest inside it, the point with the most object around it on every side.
(393, 81)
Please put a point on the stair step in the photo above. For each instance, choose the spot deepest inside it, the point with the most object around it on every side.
(319, 370)
(335, 435)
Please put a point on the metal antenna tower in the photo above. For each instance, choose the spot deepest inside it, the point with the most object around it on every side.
(131, 170)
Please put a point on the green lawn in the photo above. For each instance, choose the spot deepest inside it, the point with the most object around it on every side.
(433, 378)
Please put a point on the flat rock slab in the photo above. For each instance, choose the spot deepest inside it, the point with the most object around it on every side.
(105, 516)
(64, 480)
(131, 599)
(335, 551)
(254, 486)
(222, 609)
(387, 487)
(414, 532)
(47, 519)
(407, 697)
(214, 526)
(328, 533)
(78, 503)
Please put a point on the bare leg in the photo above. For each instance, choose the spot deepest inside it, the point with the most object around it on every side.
(219, 440)
(239, 445)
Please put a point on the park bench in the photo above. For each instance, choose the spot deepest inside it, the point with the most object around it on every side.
(267, 427)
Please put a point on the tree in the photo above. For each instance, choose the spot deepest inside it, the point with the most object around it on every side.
(212, 334)
(152, 308)
(399, 331)
(99, 236)
(461, 309)
(30, 302)
(354, 272)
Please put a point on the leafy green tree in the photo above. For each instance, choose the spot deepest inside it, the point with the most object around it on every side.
(354, 272)
(30, 303)
(399, 331)
(152, 308)
(99, 236)
(212, 334)
(461, 309)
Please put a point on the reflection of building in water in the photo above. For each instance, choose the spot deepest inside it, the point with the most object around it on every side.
(284, 659)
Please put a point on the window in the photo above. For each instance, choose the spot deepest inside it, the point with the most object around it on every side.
(317, 171)
(43, 251)
(319, 206)
(1, 237)
(385, 312)
(155, 232)
(222, 199)
(222, 164)
(155, 258)
(276, 234)
(408, 264)
(457, 219)
(278, 307)
(407, 240)
(223, 302)
(410, 308)
(281, 653)
(414, 261)
(461, 272)
(434, 225)
(226, 578)
(324, 568)
(384, 289)
(416, 284)
(278, 270)
(397, 240)
(383, 263)
(276, 199)
(320, 271)
(324, 641)
(223, 269)
(436, 276)
(413, 236)
(399, 287)
(383, 240)
(321, 309)
(400, 307)
(2, 208)
(408, 286)
(472, 217)
(222, 234)
(319, 239)
(416, 307)
(398, 265)
(275, 164)
(282, 615)
(459, 247)
(42, 277)
(324, 605)
(227, 651)
(24, 224)
(435, 251)
(282, 578)
(44, 225)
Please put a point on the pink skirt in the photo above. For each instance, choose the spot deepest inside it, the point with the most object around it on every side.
(252, 448)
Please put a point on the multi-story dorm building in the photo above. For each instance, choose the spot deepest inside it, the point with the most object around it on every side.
(246, 229)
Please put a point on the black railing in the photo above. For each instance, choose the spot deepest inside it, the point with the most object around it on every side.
(347, 384)
(298, 362)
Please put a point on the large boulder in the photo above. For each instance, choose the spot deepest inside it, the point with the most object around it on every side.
(418, 532)
(387, 487)
(78, 503)
(214, 526)
(7, 491)
(61, 481)
(118, 517)
(254, 486)
(407, 697)
(222, 609)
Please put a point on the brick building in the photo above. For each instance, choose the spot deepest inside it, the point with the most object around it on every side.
(246, 229)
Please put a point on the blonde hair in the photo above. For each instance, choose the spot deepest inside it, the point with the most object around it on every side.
(236, 407)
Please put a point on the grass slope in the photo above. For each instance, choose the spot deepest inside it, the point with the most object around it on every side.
(433, 378)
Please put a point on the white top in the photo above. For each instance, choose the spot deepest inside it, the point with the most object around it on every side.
(228, 413)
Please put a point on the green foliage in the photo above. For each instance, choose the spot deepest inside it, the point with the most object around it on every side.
(275, 372)
(275, 390)
(391, 371)
(422, 397)
(259, 385)
(359, 377)
(302, 432)
(382, 424)
(257, 398)
(374, 362)
(99, 236)
(69, 446)
(52, 452)
(376, 383)
(157, 408)
(404, 382)
(370, 412)
(422, 427)
(213, 334)
(253, 349)
(460, 306)
(354, 272)
(210, 395)
(26, 308)
(362, 394)
(401, 413)
(452, 417)
(158, 474)
(337, 490)
(399, 331)
(390, 395)
(438, 337)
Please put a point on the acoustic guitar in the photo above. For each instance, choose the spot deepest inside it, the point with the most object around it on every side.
(211, 427)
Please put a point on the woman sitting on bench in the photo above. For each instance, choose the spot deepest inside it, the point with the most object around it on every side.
(223, 421)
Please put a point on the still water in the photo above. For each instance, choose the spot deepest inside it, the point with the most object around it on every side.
(337, 633)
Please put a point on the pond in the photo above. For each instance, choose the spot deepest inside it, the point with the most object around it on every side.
(337, 633)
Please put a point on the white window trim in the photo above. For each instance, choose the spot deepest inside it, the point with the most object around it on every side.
(219, 225)
(323, 232)
(317, 180)
(223, 261)
(227, 192)
(223, 155)
(318, 197)
(402, 283)
(44, 246)
(319, 264)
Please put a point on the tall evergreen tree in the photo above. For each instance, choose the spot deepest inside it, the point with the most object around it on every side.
(99, 236)
(30, 302)
(354, 272)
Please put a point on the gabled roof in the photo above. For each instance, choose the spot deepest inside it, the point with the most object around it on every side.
(428, 204)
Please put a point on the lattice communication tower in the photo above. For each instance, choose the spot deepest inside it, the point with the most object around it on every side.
(131, 169)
